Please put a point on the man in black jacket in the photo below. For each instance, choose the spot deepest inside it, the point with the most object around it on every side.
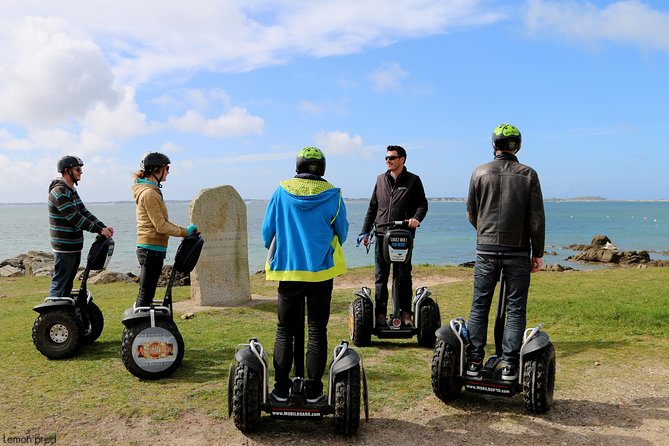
(398, 195)
(506, 207)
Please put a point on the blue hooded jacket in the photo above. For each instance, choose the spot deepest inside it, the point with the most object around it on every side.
(304, 227)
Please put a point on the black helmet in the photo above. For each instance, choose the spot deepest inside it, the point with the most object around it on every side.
(153, 160)
(506, 137)
(310, 160)
(68, 161)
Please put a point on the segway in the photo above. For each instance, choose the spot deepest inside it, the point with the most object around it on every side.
(152, 346)
(397, 248)
(536, 373)
(248, 390)
(64, 323)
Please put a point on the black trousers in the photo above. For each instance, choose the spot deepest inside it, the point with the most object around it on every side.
(151, 263)
(290, 333)
(401, 279)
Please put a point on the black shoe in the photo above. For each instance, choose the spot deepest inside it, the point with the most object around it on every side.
(474, 367)
(279, 396)
(509, 373)
(381, 320)
(315, 398)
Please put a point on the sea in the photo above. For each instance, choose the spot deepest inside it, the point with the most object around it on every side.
(444, 238)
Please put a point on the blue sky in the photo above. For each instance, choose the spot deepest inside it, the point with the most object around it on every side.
(231, 90)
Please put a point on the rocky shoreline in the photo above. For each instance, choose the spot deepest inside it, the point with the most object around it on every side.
(600, 251)
(40, 263)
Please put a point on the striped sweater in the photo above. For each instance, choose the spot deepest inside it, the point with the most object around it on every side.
(68, 218)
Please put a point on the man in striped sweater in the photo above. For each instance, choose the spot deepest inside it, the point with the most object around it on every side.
(68, 218)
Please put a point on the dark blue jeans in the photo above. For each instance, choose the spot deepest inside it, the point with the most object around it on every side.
(65, 267)
(151, 263)
(487, 271)
(401, 276)
(291, 326)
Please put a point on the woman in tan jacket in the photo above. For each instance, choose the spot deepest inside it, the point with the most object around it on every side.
(153, 225)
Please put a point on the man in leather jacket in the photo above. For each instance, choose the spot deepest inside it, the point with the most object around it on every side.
(398, 195)
(505, 205)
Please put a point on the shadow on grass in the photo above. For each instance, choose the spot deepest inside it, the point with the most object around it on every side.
(570, 348)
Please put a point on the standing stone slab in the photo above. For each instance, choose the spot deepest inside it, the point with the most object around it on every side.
(221, 277)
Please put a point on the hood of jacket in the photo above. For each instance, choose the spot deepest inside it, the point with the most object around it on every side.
(306, 194)
(140, 187)
(58, 182)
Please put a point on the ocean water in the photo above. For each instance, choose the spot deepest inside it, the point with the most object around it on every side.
(445, 237)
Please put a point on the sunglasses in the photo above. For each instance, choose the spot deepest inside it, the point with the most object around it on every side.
(77, 169)
(391, 158)
(167, 168)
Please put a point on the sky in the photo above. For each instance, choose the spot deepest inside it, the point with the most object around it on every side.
(232, 90)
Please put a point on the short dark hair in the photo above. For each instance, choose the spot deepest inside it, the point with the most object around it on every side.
(399, 149)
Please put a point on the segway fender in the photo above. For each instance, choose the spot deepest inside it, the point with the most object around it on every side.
(130, 317)
(247, 357)
(541, 340)
(53, 305)
(446, 334)
(348, 361)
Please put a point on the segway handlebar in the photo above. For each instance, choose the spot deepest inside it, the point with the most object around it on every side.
(398, 223)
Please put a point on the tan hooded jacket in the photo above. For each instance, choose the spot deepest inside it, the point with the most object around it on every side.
(153, 225)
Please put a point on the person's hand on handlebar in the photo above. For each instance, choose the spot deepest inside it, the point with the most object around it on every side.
(413, 223)
(107, 232)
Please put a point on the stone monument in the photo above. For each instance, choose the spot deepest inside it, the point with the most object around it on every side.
(221, 277)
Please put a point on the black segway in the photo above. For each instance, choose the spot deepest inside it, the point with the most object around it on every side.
(536, 374)
(64, 323)
(397, 248)
(248, 390)
(152, 346)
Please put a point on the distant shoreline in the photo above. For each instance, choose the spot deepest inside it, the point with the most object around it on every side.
(359, 200)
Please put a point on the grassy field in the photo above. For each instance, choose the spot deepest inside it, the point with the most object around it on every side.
(616, 316)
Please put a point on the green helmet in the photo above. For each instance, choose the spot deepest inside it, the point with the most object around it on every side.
(506, 137)
(310, 160)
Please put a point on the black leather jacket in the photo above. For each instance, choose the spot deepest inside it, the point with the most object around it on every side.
(506, 206)
(395, 199)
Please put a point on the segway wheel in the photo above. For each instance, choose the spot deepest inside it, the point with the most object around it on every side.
(96, 323)
(57, 334)
(152, 352)
(246, 398)
(360, 322)
(446, 383)
(430, 321)
(539, 380)
(347, 401)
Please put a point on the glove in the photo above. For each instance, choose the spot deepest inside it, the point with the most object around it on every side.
(191, 229)
(360, 238)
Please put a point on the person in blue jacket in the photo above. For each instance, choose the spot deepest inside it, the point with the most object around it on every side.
(304, 228)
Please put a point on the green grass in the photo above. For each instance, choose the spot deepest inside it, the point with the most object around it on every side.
(608, 316)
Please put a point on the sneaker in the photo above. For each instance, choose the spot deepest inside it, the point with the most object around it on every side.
(509, 373)
(278, 396)
(316, 398)
(381, 320)
(474, 367)
(406, 318)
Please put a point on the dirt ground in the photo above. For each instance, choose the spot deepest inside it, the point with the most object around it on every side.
(632, 409)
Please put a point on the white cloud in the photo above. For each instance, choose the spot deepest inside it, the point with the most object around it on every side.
(622, 21)
(152, 37)
(310, 108)
(55, 77)
(235, 122)
(341, 143)
(388, 77)
(122, 122)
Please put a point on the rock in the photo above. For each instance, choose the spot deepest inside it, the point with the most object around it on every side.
(602, 250)
(556, 267)
(467, 264)
(111, 277)
(221, 277)
(187, 316)
(10, 271)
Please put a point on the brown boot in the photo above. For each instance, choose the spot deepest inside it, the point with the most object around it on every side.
(381, 320)
(406, 319)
